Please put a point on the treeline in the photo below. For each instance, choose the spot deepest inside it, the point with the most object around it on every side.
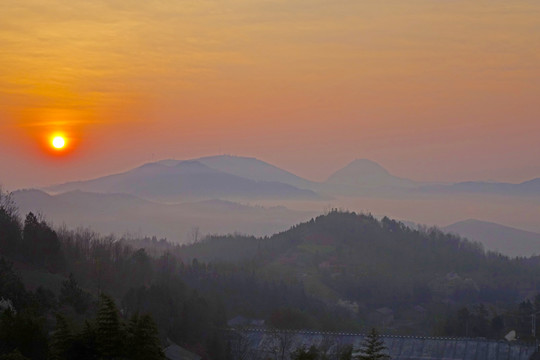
(488, 321)
(107, 337)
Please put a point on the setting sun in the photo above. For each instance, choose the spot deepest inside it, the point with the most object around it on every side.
(58, 142)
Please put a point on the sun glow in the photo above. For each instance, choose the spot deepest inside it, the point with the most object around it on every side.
(58, 142)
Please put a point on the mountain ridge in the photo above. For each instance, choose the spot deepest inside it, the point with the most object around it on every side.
(185, 180)
(507, 240)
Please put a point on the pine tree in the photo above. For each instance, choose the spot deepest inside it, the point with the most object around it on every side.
(10, 225)
(373, 348)
(109, 329)
(143, 342)
(72, 294)
(85, 343)
(62, 339)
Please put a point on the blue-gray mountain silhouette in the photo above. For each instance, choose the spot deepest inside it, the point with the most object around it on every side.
(496, 237)
(185, 180)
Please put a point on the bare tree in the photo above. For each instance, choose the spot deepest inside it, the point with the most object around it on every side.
(7, 203)
(240, 345)
(326, 346)
(194, 235)
(281, 342)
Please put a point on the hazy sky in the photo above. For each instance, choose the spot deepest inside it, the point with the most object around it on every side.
(432, 90)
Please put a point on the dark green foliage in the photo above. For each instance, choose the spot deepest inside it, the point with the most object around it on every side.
(195, 320)
(11, 286)
(373, 348)
(40, 245)
(140, 268)
(45, 299)
(61, 346)
(109, 329)
(107, 337)
(23, 331)
(142, 339)
(84, 345)
(72, 294)
(10, 225)
(477, 322)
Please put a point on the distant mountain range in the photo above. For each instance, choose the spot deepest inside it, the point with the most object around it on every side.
(496, 237)
(239, 178)
(174, 181)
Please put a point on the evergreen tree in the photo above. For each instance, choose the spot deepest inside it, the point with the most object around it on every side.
(109, 329)
(373, 348)
(11, 286)
(62, 339)
(41, 245)
(85, 344)
(72, 294)
(10, 225)
(143, 342)
(25, 332)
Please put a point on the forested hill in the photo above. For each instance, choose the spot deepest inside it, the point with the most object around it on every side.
(349, 238)
(355, 257)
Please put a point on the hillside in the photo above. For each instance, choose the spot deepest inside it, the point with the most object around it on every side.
(495, 237)
(378, 263)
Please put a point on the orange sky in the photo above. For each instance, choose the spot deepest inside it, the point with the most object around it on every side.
(432, 90)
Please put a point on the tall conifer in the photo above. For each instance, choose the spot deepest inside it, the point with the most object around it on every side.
(373, 348)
